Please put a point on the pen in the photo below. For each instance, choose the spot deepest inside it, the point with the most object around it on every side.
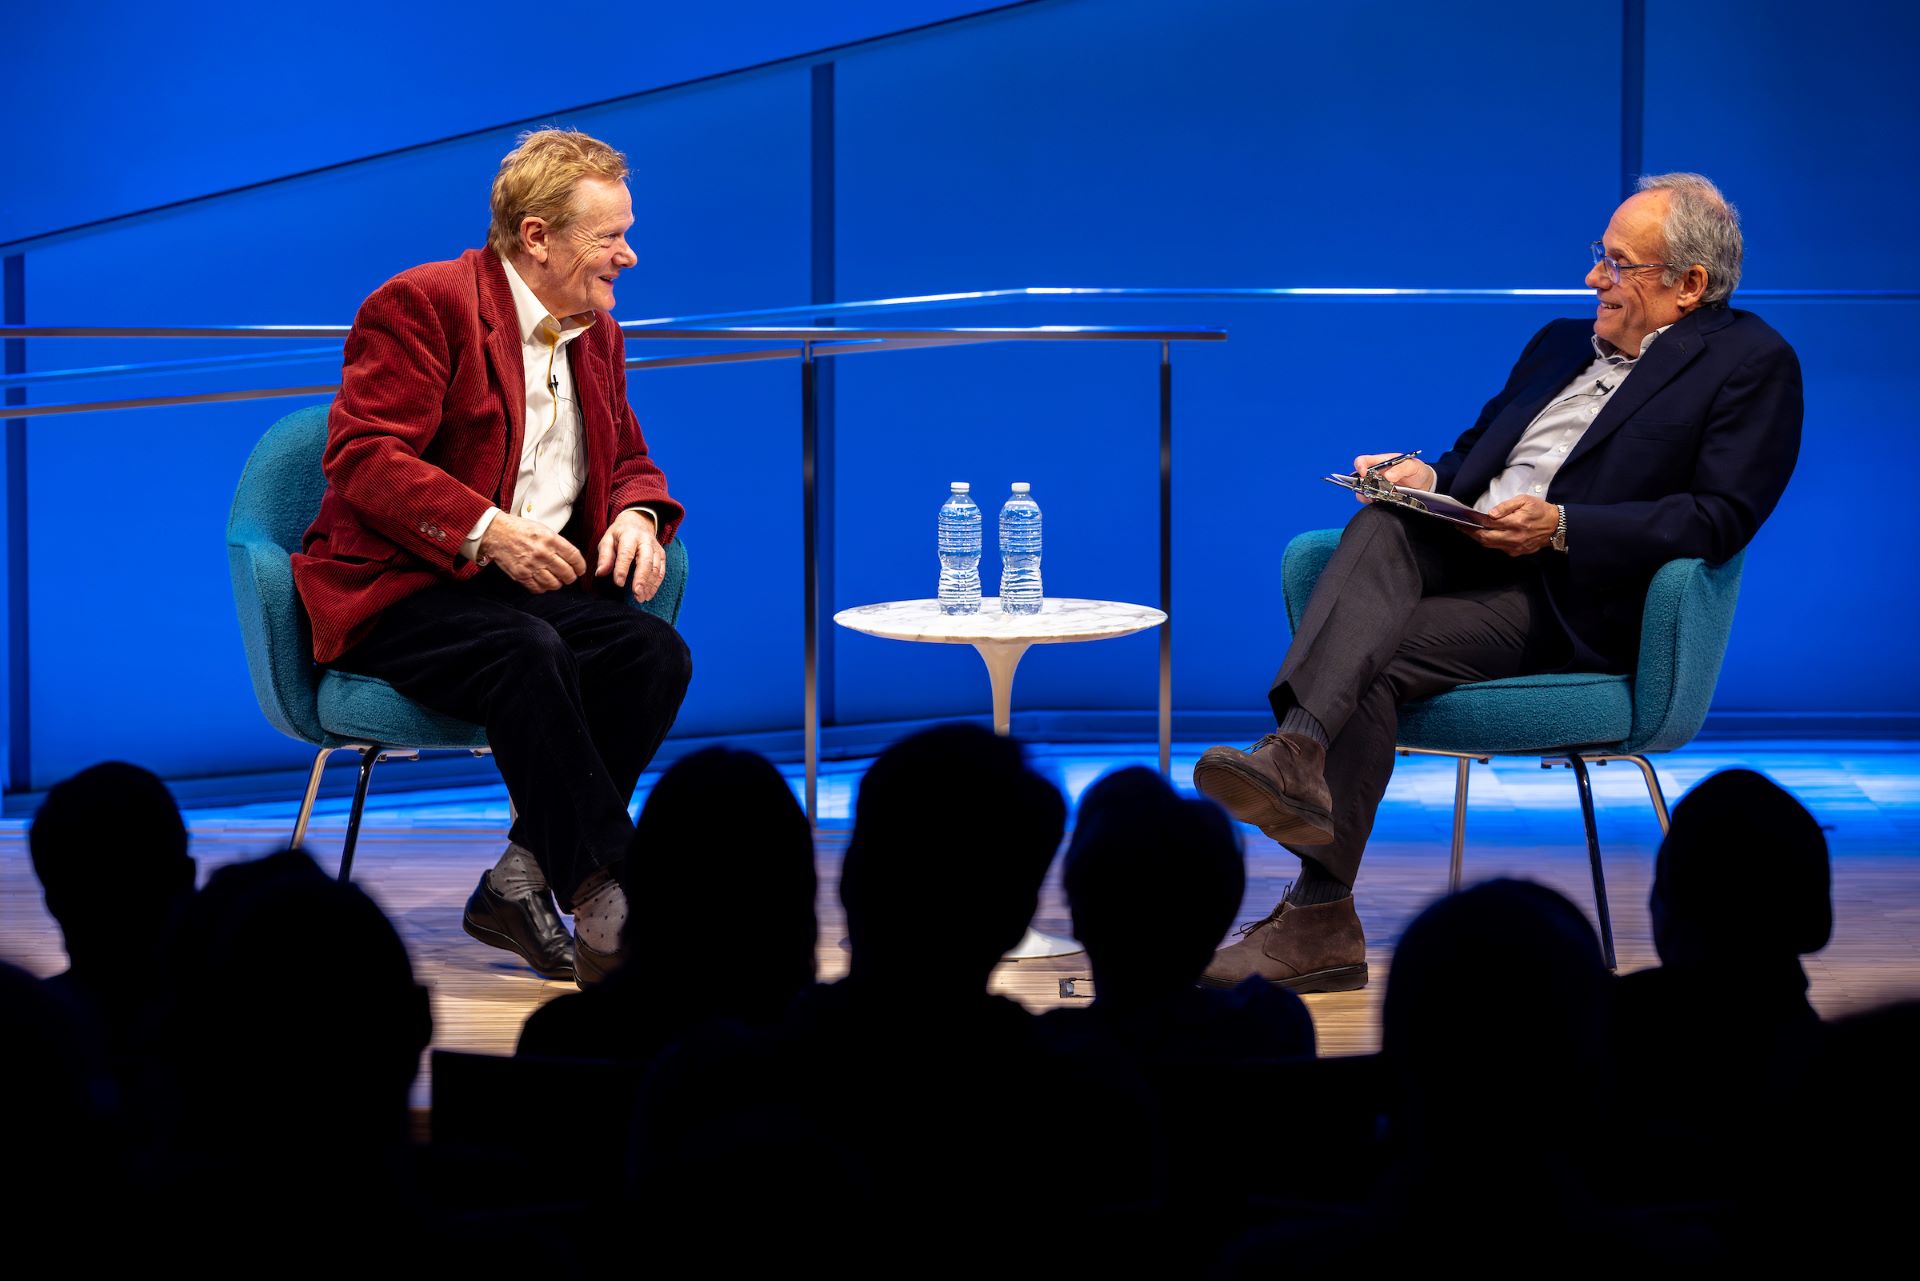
(1397, 458)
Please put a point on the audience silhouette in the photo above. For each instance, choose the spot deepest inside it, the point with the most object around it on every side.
(720, 839)
(111, 853)
(244, 1056)
(295, 1033)
(1153, 882)
(1495, 1107)
(65, 1148)
(1711, 1038)
(1837, 1196)
(903, 1098)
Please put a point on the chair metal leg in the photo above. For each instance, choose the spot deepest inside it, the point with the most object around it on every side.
(1459, 823)
(369, 757)
(1654, 793)
(1593, 854)
(306, 802)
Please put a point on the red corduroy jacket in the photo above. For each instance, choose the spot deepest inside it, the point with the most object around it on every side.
(426, 433)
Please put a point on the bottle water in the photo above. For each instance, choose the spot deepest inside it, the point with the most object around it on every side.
(1020, 552)
(959, 552)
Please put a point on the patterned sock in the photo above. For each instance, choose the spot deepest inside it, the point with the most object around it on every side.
(600, 914)
(1316, 885)
(1299, 720)
(517, 874)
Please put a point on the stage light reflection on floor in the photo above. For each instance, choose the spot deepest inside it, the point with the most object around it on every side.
(1866, 791)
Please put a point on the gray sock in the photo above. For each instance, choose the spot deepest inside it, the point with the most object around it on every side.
(1299, 720)
(1316, 885)
(517, 874)
(600, 914)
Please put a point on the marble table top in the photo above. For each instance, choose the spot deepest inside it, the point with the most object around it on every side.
(1061, 618)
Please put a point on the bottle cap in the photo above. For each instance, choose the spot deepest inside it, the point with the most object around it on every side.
(1022, 487)
(961, 486)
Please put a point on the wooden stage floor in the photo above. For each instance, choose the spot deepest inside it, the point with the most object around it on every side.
(420, 856)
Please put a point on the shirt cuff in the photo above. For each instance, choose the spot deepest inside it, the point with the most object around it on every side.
(650, 514)
(470, 545)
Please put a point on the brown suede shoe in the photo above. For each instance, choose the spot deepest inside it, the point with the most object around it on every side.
(1279, 785)
(1308, 949)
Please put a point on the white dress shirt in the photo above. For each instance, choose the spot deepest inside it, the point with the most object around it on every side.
(553, 457)
(1536, 457)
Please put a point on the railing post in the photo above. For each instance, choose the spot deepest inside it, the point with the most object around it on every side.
(16, 751)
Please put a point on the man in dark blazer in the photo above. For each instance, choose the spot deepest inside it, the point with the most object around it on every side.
(1666, 428)
(490, 506)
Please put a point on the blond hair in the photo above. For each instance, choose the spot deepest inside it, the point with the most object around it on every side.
(537, 178)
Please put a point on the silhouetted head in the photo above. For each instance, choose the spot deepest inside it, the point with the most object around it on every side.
(296, 1002)
(722, 838)
(1742, 875)
(952, 835)
(1498, 1014)
(1153, 880)
(111, 854)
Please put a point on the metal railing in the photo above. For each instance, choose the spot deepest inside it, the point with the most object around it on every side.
(729, 327)
(807, 344)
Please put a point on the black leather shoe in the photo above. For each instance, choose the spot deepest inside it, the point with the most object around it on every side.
(529, 927)
(592, 966)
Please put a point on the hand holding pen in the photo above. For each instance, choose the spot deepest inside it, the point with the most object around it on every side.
(1403, 470)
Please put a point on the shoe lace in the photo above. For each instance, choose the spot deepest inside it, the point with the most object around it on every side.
(1274, 915)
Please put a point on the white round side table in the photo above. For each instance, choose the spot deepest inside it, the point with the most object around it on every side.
(1001, 640)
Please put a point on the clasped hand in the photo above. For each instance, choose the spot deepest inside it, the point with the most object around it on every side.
(542, 561)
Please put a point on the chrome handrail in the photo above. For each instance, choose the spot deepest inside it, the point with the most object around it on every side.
(725, 324)
(809, 341)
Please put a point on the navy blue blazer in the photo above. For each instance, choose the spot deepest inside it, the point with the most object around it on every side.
(1689, 456)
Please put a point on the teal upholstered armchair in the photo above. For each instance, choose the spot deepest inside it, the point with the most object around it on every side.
(278, 496)
(1576, 717)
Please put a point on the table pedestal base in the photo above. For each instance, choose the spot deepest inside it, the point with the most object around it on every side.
(1036, 945)
(1001, 640)
(1001, 658)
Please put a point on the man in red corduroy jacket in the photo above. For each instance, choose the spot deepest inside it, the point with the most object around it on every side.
(490, 504)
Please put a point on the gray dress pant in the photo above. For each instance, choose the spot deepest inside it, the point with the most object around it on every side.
(1407, 607)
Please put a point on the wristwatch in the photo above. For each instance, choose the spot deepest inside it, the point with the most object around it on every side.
(1559, 541)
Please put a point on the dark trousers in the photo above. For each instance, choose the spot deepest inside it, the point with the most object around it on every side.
(576, 689)
(1407, 607)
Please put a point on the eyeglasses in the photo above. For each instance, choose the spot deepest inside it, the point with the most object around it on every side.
(1615, 268)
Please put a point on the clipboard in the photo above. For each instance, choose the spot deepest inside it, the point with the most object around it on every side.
(1378, 489)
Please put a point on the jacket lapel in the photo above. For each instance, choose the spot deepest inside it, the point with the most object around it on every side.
(1671, 352)
(503, 354)
(1490, 452)
(596, 426)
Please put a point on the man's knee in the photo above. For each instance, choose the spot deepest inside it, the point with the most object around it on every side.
(675, 662)
(1376, 519)
(532, 650)
(652, 652)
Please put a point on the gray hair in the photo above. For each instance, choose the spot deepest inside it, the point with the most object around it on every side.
(1702, 227)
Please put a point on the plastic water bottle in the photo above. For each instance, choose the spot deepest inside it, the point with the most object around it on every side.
(959, 552)
(1020, 552)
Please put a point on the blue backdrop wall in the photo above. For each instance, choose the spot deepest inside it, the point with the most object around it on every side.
(1063, 142)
